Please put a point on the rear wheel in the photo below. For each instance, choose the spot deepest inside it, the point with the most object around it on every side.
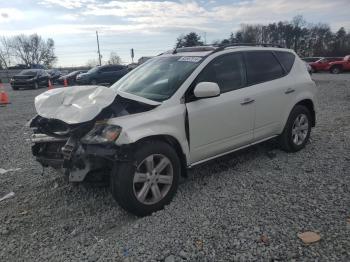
(148, 184)
(336, 70)
(297, 130)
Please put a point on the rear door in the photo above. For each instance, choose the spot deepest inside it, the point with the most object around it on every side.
(220, 124)
(273, 88)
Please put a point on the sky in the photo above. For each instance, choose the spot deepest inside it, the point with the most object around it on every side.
(150, 27)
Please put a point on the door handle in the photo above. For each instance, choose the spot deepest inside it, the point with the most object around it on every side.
(247, 101)
(289, 90)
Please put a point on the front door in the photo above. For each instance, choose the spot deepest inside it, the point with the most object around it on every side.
(220, 124)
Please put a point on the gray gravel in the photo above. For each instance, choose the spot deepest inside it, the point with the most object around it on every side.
(248, 206)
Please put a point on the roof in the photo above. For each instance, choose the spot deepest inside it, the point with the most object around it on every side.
(207, 50)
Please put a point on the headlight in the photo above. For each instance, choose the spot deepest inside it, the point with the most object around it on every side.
(102, 134)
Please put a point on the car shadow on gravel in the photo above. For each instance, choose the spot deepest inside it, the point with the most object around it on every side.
(227, 162)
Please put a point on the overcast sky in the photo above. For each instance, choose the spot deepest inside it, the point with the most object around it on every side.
(150, 27)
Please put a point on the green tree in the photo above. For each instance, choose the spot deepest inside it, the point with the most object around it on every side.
(191, 39)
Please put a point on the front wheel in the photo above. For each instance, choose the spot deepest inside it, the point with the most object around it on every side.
(335, 70)
(297, 131)
(93, 82)
(150, 182)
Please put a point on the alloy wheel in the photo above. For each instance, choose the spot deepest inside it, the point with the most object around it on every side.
(300, 129)
(153, 179)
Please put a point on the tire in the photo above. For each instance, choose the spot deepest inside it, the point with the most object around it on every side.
(294, 137)
(336, 70)
(313, 70)
(127, 191)
(93, 82)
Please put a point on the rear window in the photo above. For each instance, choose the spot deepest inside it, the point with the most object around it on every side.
(286, 59)
(262, 66)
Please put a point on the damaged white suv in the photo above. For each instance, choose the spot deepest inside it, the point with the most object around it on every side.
(177, 110)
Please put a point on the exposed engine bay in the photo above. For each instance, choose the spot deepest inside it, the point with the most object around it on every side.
(77, 148)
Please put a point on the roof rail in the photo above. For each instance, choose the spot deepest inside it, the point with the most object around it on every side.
(222, 47)
(201, 48)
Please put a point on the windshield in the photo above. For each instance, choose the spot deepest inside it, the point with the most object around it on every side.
(93, 70)
(28, 72)
(159, 78)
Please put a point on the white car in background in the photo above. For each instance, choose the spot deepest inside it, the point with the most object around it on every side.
(177, 110)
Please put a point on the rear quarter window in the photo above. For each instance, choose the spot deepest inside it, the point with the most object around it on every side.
(286, 59)
(262, 66)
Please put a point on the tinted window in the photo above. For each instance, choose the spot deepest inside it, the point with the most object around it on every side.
(118, 67)
(261, 67)
(227, 71)
(108, 69)
(287, 60)
(29, 72)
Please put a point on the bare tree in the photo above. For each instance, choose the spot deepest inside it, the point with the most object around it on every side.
(5, 53)
(114, 59)
(33, 49)
(92, 63)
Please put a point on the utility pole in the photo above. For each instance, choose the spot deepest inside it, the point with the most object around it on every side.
(205, 38)
(98, 48)
(132, 54)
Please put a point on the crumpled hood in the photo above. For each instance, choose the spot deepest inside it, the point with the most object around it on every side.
(79, 104)
(74, 105)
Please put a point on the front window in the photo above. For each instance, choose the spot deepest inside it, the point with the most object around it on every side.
(159, 78)
(93, 70)
(28, 72)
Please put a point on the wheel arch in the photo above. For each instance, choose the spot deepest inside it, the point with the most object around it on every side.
(172, 141)
(311, 107)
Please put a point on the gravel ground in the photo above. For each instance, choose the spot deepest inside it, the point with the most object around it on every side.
(248, 206)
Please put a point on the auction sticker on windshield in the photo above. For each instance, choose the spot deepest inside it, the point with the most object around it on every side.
(193, 59)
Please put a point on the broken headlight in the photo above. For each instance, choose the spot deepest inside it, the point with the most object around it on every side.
(102, 134)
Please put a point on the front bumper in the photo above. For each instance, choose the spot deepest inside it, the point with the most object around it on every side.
(23, 84)
(76, 158)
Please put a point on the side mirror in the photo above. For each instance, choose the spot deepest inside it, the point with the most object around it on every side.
(206, 90)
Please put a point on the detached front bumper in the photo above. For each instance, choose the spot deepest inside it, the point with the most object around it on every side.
(75, 158)
(47, 150)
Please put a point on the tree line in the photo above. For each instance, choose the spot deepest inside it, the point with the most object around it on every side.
(26, 50)
(304, 38)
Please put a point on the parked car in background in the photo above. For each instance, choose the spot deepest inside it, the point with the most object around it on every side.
(337, 67)
(180, 109)
(323, 63)
(71, 77)
(30, 78)
(107, 74)
(54, 74)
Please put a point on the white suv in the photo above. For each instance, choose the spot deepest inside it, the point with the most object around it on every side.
(179, 109)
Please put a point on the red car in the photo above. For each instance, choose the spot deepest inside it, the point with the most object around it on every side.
(322, 64)
(339, 66)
